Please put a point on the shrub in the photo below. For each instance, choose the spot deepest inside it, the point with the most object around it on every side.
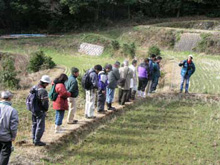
(115, 45)
(48, 63)
(8, 76)
(129, 49)
(154, 50)
(39, 61)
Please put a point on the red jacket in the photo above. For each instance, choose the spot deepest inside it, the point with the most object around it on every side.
(61, 101)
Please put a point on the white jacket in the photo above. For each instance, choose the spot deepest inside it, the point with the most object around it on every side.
(133, 83)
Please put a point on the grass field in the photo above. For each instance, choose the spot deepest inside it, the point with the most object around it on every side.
(207, 76)
(156, 132)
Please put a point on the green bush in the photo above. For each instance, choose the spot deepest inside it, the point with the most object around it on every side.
(8, 75)
(39, 61)
(115, 45)
(129, 50)
(154, 50)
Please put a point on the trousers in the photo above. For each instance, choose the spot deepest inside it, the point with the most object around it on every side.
(72, 109)
(90, 102)
(38, 127)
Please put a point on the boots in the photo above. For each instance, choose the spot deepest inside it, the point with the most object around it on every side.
(110, 108)
(133, 95)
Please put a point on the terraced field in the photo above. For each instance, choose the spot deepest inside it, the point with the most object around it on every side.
(160, 131)
(207, 75)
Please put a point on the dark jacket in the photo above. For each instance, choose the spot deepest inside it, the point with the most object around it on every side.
(187, 69)
(151, 64)
(43, 97)
(156, 70)
(72, 86)
(113, 77)
(94, 78)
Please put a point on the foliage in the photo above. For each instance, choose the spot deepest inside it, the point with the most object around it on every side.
(115, 45)
(154, 50)
(129, 50)
(65, 15)
(8, 75)
(39, 61)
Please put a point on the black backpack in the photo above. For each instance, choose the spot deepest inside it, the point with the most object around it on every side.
(86, 81)
(32, 102)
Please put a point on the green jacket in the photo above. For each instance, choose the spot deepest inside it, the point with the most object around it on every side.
(72, 86)
(156, 70)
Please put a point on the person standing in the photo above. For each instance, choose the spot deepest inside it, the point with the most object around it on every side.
(103, 82)
(113, 78)
(188, 68)
(72, 87)
(8, 126)
(60, 104)
(38, 120)
(91, 93)
(127, 74)
(143, 71)
(150, 76)
(156, 74)
(133, 85)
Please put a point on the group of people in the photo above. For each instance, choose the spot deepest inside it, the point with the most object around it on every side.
(101, 82)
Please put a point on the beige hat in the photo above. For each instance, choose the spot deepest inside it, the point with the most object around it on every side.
(191, 56)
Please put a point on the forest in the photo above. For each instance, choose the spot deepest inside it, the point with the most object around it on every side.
(69, 15)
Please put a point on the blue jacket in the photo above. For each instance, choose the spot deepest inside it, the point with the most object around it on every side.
(103, 80)
(187, 69)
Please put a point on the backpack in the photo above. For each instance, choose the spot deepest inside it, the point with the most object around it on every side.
(32, 102)
(86, 81)
(53, 94)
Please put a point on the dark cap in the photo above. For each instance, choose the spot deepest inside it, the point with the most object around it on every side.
(117, 63)
(108, 66)
(74, 70)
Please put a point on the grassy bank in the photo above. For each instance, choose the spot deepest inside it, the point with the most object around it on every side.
(157, 132)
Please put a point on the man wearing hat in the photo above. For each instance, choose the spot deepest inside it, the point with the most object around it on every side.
(38, 122)
(188, 68)
(113, 77)
(8, 126)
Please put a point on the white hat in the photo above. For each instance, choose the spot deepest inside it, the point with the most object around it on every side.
(45, 79)
(6, 94)
(191, 56)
